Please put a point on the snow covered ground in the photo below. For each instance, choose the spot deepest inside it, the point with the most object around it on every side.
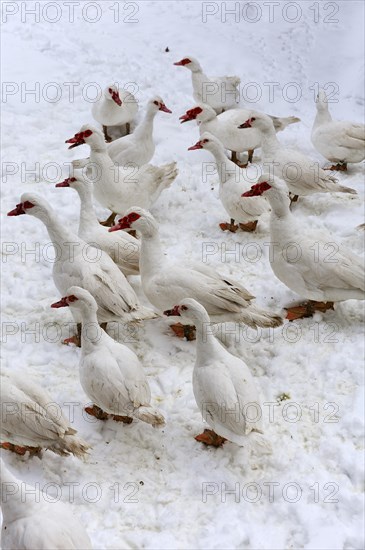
(143, 488)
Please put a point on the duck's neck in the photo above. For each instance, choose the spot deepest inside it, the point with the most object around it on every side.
(144, 129)
(207, 345)
(200, 80)
(88, 217)
(280, 210)
(104, 166)
(63, 239)
(269, 142)
(152, 256)
(225, 167)
(91, 333)
(322, 117)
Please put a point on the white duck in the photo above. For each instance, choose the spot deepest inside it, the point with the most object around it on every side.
(122, 248)
(221, 93)
(110, 373)
(302, 175)
(223, 386)
(233, 180)
(30, 423)
(165, 283)
(340, 142)
(31, 521)
(77, 264)
(225, 128)
(138, 148)
(318, 267)
(114, 108)
(116, 187)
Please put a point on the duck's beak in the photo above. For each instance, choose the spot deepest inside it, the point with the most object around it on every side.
(174, 312)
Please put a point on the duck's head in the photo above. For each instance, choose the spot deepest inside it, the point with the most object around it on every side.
(321, 101)
(34, 205)
(78, 298)
(258, 120)
(207, 141)
(111, 93)
(200, 112)
(77, 182)
(158, 104)
(190, 63)
(87, 134)
(267, 185)
(139, 219)
(189, 310)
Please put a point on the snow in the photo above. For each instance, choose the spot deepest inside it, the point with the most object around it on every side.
(316, 362)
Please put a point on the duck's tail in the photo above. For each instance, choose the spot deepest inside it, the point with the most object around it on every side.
(150, 415)
(343, 189)
(254, 316)
(165, 175)
(71, 445)
(280, 123)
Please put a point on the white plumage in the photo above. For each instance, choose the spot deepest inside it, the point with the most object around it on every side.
(32, 522)
(138, 148)
(338, 141)
(79, 264)
(302, 175)
(312, 263)
(110, 373)
(29, 419)
(220, 92)
(117, 187)
(233, 181)
(166, 283)
(223, 386)
(122, 247)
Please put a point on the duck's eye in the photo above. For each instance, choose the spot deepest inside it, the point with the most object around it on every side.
(253, 119)
(87, 133)
(156, 103)
(110, 91)
(184, 308)
(205, 140)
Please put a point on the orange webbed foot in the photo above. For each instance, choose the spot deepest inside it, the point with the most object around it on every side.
(232, 227)
(184, 331)
(307, 309)
(97, 412)
(209, 437)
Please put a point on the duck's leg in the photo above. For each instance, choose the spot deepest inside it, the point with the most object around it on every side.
(109, 222)
(293, 198)
(249, 226)
(229, 226)
(97, 412)
(307, 309)
(184, 331)
(76, 339)
(17, 449)
(340, 167)
(106, 135)
(249, 159)
(234, 157)
(209, 437)
(127, 128)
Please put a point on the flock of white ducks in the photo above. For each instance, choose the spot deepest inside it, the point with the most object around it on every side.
(98, 292)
